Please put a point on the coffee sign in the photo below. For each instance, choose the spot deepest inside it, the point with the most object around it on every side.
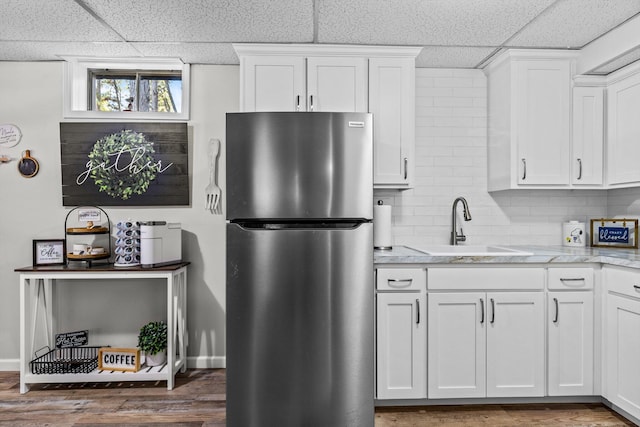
(119, 359)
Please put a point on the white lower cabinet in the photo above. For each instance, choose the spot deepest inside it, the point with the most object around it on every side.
(570, 337)
(401, 333)
(486, 344)
(623, 340)
(457, 345)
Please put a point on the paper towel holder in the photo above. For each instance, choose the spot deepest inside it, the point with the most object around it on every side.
(382, 242)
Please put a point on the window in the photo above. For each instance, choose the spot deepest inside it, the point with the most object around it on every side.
(137, 88)
(139, 91)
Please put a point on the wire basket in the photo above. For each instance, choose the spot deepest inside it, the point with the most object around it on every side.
(69, 360)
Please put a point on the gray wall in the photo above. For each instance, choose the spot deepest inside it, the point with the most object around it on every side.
(32, 209)
(450, 161)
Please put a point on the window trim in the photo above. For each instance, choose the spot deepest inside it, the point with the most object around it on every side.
(76, 85)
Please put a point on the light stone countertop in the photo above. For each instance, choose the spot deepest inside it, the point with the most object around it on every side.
(541, 255)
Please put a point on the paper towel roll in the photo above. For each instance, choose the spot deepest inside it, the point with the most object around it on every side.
(382, 226)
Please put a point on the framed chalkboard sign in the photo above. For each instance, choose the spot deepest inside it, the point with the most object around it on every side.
(614, 233)
(124, 164)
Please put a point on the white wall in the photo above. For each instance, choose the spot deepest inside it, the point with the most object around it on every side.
(451, 161)
(32, 209)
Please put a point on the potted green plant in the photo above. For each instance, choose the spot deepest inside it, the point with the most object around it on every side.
(152, 340)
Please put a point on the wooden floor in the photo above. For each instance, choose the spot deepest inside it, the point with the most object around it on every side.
(199, 400)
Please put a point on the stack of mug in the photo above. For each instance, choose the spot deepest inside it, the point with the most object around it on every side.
(127, 243)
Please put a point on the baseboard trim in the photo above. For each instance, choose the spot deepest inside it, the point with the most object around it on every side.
(205, 362)
(9, 364)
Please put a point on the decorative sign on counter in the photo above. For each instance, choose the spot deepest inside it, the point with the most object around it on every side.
(49, 252)
(614, 233)
(10, 136)
(119, 359)
(125, 164)
(72, 339)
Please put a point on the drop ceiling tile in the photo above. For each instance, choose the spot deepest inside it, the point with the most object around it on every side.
(424, 22)
(452, 56)
(618, 63)
(208, 20)
(50, 20)
(574, 23)
(52, 51)
(191, 53)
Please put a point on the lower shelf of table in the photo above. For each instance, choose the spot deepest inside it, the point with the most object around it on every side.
(155, 373)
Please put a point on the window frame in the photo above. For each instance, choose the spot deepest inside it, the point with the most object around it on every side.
(78, 83)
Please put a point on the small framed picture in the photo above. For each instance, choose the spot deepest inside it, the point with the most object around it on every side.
(614, 233)
(49, 252)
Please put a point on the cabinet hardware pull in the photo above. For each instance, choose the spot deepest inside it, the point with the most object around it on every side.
(311, 102)
(572, 279)
(579, 169)
(524, 169)
(298, 103)
(555, 300)
(406, 161)
(399, 283)
(493, 311)
(481, 311)
(417, 311)
(636, 287)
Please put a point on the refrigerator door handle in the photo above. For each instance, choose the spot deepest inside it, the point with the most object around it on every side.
(330, 225)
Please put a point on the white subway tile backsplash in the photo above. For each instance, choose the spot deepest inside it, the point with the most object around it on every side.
(451, 161)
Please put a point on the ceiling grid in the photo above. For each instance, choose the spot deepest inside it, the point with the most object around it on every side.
(452, 33)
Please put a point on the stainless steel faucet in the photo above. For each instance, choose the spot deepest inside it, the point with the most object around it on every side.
(455, 237)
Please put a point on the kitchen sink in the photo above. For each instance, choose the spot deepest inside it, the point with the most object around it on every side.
(470, 250)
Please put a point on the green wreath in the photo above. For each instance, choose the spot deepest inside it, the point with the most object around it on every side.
(114, 170)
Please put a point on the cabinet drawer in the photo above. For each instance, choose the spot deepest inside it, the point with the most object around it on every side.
(401, 279)
(622, 281)
(486, 278)
(571, 278)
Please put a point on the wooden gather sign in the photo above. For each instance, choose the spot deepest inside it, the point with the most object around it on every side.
(119, 359)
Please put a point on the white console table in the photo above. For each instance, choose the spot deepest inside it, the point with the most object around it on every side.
(37, 285)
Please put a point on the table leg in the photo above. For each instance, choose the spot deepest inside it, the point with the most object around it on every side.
(171, 333)
(24, 303)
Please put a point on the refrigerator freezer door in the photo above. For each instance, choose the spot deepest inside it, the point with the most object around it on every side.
(300, 327)
(299, 165)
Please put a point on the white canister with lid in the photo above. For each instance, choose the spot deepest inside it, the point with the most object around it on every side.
(573, 234)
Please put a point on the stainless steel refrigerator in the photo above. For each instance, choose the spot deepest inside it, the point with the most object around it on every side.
(299, 294)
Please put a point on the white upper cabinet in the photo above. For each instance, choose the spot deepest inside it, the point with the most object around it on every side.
(529, 124)
(292, 78)
(276, 84)
(623, 127)
(375, 79)
(296, 83)
(588, 134)
(392, 102)
(337, 84)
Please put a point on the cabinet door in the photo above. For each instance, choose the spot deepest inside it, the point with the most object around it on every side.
(542, 101)
(588, 136)
(272, 83)
(623, 127)
(392, 102)
(570, 349)
(515, 344)
(623, 353)
(401, 346)
(337, 84)
(457, 345)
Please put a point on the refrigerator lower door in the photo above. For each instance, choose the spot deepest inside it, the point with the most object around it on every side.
(300, 327)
